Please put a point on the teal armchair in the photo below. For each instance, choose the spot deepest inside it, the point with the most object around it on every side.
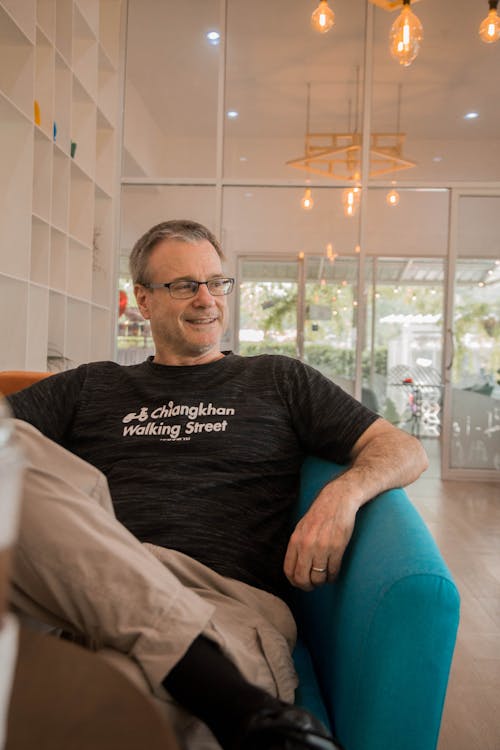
(375, 648)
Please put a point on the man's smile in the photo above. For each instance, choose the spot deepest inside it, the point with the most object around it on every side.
(202, 321)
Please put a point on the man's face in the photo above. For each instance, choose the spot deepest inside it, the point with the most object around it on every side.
(185, 331)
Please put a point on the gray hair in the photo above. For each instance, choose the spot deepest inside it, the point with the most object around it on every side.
(183, 230)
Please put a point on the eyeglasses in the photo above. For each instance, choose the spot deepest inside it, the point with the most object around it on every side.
(185, 288)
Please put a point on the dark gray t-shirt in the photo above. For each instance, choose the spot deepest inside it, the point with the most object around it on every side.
(204, 459)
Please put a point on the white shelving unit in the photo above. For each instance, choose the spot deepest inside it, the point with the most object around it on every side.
(59, 179)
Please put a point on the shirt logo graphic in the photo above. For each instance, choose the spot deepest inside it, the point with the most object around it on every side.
(140, 417)
(173, 421)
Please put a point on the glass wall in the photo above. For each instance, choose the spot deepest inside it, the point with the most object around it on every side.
(170, 117)
(330, 316)
(268, 313)
(284, 80)
(475, 371)
(441, 104)
(405, 339)
(473, 363)
(303, 307)
(233, 110)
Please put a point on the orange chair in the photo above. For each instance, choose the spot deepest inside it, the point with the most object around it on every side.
(15, 380)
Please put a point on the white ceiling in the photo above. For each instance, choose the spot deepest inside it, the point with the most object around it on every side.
(272, 53)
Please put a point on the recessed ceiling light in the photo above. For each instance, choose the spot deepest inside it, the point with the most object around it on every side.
(243, 158)
(437, 158)
(471, 116)
(232, 114)
(213, 37)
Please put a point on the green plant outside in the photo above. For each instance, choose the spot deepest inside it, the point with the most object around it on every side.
(330, 360)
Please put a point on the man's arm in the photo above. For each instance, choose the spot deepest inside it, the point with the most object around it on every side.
(382, 458)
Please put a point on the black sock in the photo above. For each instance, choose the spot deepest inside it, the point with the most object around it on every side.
(211, 687)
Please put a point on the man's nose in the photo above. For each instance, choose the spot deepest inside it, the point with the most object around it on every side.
(203, 296)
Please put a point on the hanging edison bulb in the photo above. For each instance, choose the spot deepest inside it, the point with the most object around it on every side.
(489, 30)
(330, 254)
(323, 18)
(350, 200)
(307, 201)
(392, 197)
(406, 35)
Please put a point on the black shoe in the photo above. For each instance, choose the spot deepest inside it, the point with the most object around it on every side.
(286, 728)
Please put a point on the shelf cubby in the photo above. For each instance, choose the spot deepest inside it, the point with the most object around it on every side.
(13, 296)
(100, 334)
(77, 345)
(37, 328)
(81, 206)
(89, 9)
(85, 53)
(102, 270)
(105, 155)
(64, 29)
(46, 18)
(60, 189)
(109, 29)
(42, 175)
(79, 278)
(58, 260)
(16, 64)
(56, 325)
(40, 251)
(16, 172)
(44, 82)
(23, 15)
(107, 98)
(83, 127)
(62, 104)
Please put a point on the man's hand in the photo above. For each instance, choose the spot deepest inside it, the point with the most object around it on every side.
(320, 538)
(382, 458)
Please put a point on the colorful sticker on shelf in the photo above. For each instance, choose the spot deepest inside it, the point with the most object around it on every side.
(54, 131)
(36, 108)
(73, 149)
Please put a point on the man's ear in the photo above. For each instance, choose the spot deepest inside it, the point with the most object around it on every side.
(142, 297)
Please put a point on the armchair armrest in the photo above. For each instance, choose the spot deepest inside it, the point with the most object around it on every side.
(381, 638)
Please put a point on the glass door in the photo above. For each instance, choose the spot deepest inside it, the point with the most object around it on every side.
(301, 307)
(329, 316)
(402, 360)
(471, 448)
(267, 311)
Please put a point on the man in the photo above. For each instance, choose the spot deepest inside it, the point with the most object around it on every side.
(201, 451)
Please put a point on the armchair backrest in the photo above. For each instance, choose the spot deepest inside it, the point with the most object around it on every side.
(15, 380)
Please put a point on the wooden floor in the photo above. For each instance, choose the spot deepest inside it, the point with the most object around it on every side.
(464, 518)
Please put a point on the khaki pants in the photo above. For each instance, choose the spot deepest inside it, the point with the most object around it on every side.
(77, 568)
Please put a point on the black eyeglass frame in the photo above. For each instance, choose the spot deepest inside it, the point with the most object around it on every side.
(195, 285)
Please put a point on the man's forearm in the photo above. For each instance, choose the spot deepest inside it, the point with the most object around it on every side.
(384, 457)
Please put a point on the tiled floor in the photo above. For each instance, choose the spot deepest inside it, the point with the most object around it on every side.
(464, 518)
